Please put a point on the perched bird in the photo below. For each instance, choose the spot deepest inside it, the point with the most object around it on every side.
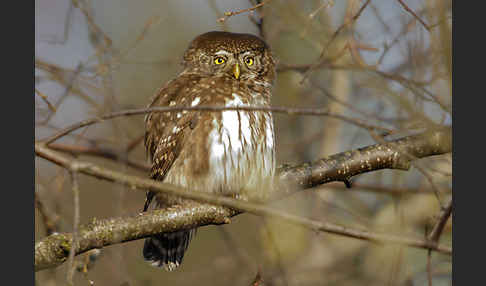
(227, 152)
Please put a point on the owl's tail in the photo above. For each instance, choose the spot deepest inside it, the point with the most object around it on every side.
(167, 249)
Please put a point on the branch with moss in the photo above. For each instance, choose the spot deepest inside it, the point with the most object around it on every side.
(212, 209)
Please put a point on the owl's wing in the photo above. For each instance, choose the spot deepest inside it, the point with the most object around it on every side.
(165, 132)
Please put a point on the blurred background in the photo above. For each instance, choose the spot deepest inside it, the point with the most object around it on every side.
(388, 63)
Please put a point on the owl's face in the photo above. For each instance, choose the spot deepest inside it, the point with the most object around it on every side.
(242, 57)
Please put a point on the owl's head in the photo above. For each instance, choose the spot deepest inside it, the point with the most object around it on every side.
(239, 56)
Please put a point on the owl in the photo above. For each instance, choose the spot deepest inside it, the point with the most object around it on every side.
(225, 152)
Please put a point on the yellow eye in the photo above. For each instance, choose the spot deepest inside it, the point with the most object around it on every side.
(219, 60)
(249, 61)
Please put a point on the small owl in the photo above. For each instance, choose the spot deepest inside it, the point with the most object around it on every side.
(227, 152)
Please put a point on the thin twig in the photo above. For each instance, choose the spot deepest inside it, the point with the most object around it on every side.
(352, 107)
(44, 97)
(431, 181)
(232, 13)
(275, 109)
(333, 37)
(72, 252)
(91, 23)
(416, 87)
(444, 215)
(70, 83)
(387, 47)
(50, 221)
(412, 159)
(414, 15)
(117, 59)
(99, 152)
(323, 5)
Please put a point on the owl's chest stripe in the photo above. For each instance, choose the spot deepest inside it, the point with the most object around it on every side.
(241, 147)
(236, 130)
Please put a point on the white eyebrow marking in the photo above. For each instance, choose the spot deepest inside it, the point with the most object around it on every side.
(221, 52)
(246, 53)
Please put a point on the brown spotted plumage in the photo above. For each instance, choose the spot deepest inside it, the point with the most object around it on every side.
(228, 152)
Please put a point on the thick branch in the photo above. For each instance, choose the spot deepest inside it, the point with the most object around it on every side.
(54, 249)
(342, 166)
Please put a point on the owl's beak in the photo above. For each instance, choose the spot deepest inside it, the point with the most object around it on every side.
(236, 71)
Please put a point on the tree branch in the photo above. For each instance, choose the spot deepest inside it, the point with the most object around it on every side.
(414, 15)
(54, 249)
(232, 13)
(100, 152)
(390, 155)
(274, 109)
(444, 215)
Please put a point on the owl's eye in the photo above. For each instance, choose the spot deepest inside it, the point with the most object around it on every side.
(219, 60)
(249, 61)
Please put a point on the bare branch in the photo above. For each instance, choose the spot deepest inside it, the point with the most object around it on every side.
(414, 15)
(100, 152)
(72, 252)
(333, 37)
(54, 249)
(441, 222)
(49, 219)
(141, 166)
(97, 31)
(396, 154)
(232, 13)
(417, 87)
(275, 109)
(44, 97)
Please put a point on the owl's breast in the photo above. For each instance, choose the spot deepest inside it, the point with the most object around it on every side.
(241, 149)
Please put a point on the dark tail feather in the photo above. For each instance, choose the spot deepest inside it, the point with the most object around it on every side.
(167, 249)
